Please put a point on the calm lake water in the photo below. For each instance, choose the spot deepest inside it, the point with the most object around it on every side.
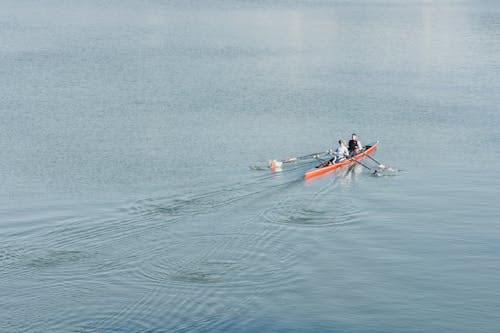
(129, 136)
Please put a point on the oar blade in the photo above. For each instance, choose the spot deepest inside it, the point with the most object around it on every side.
(276, 166)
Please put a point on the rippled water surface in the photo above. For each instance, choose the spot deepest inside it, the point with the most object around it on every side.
(134, 189)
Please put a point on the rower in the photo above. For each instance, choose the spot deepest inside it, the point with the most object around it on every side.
(354, 145)
(342, 152)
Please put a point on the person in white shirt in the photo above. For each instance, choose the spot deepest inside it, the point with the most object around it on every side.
(341, 152)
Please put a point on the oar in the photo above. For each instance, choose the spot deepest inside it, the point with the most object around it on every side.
(279, 163)
(293, 159)
(364, 165)
(380, 165)
(325, 163)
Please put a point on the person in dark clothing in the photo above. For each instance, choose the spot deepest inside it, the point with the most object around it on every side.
(354, 145)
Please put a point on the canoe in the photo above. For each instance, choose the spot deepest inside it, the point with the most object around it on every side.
(321, 170)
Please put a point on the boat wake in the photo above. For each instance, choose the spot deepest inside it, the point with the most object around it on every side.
(323, 208)
(183, 257)
(389, 172)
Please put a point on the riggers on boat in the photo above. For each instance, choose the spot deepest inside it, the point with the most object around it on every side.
(322, 169)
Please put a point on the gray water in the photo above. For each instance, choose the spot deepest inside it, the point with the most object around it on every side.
(129, 136)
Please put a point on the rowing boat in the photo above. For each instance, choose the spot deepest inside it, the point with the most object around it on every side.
(321, 169)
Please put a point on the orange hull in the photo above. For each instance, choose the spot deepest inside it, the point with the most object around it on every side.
(321, 171)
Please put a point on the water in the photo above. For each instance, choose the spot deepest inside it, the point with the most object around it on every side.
(127, 131)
